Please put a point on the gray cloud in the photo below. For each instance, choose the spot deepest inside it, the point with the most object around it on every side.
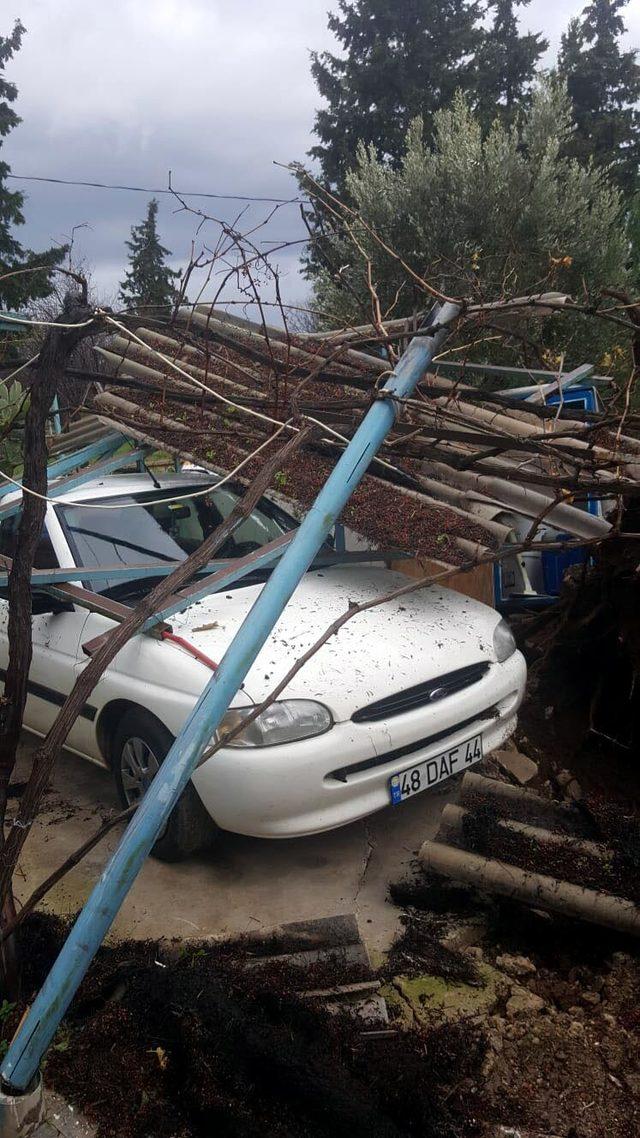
(213, 90)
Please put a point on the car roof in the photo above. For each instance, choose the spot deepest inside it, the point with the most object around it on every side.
(113, 485)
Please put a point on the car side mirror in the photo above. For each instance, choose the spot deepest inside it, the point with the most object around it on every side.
(42, 602)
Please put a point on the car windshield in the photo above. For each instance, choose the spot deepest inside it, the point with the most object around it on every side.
(154, 527)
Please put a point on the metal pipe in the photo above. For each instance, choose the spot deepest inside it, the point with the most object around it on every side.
(41, 1022)
(220, 574)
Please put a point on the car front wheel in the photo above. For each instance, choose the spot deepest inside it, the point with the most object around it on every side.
(140, 745)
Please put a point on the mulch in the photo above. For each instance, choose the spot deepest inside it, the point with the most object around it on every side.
(377, 510)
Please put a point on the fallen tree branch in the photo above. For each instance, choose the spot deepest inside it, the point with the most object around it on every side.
(58, 345)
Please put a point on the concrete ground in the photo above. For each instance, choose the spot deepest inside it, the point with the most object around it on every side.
(247, 884)
(62, 1120)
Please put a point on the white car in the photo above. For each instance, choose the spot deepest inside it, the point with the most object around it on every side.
(406, 695)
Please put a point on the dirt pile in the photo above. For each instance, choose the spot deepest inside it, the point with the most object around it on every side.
(584, 662)
(561, 1023)
(159, 1044)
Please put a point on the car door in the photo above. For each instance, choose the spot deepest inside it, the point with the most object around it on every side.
(56, 640)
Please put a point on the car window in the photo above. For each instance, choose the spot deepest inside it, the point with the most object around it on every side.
(44, 557)
(155, 528)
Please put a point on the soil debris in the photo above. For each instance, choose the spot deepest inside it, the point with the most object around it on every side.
(242, 1054)
(418, 950)
(562, 1035)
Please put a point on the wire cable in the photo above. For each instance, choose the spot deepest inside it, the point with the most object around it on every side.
(45, 323)
(146, 190)
(153, 502)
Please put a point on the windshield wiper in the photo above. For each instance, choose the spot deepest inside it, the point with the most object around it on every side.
(153, 554)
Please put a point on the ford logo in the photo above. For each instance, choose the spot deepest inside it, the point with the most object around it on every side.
(437, 693)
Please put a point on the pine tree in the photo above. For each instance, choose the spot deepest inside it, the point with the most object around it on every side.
(400, 60)
(506, 65)
(604, 84)
(19, 290)
(149, 281)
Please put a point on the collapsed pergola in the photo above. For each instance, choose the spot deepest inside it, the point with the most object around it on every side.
(459, 462)
(409, 457)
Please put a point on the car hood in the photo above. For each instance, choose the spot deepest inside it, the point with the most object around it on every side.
(378, 652)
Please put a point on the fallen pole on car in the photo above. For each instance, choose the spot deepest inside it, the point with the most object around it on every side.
(22, 1061)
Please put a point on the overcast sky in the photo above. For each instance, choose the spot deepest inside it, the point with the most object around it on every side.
(214, 90)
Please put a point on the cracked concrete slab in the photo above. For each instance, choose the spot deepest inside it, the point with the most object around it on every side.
(246, 884)
(62, 1120)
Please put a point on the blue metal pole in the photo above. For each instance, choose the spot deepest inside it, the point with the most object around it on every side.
(40, 1024)
(234, 570)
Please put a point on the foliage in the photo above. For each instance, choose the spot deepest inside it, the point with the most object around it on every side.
(17, 291)
(6, 1011)
(487, 218)
(506, 65)
(403, 61)
(400, 61)
(13, 406)
(604, 85)
(149, 281)
(633, 234)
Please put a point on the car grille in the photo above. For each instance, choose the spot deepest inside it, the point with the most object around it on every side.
(429, 692)
(342, 774)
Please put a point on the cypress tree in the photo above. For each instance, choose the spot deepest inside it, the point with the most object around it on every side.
(400, 60)
(17, 291)
(604, 85)
(506, 66)
(149, 281)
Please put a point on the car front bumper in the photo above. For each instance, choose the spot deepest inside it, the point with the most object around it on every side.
(318, 784)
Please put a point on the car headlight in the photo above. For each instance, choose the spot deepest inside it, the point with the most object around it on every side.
(282, 722)
(504, 644)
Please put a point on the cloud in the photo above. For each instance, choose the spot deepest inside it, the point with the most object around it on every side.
(120, 92)
(214, 90)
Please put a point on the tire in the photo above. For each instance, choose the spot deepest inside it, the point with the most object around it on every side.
(139, 745)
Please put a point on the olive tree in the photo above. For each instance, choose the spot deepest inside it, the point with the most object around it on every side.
(502, 215)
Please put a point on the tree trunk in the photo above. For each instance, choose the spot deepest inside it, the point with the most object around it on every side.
(56, 349)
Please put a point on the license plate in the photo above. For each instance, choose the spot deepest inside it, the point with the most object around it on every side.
(431, 771)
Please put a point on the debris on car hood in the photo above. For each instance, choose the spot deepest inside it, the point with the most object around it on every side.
(378, 652)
